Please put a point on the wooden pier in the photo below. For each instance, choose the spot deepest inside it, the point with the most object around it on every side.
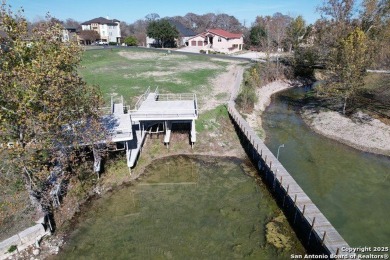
(316, 232)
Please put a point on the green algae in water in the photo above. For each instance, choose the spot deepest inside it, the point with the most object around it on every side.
(183, 207)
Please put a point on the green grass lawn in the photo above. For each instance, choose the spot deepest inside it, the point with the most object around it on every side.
(129, 72)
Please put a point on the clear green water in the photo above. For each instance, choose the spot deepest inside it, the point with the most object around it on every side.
(351, 188)
(182, 208)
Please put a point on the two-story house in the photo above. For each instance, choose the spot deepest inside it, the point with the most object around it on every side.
(108, 29)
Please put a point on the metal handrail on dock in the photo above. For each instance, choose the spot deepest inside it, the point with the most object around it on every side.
(175, 97)
(164, 113)
(142, 98)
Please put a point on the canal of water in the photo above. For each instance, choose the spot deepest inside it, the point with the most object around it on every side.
(350, 187)
(185, 208)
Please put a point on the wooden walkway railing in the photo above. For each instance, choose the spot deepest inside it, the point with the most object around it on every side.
(308, 221)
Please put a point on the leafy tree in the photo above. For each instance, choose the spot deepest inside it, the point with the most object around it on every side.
(349, 68)
(295, 32)
(257, 35)
(162, 31)
(304, 60)
(131, 41)
(46, 109)
(89, 36)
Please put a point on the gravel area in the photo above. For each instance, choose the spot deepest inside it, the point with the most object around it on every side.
(361, 131)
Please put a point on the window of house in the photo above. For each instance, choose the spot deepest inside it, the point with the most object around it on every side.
(200, 43)
(193, 43)
(219, 39)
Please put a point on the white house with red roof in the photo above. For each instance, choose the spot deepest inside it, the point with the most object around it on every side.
(218, 40)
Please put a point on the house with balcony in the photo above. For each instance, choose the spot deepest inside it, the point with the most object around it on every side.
(108, 29)
(218, 40)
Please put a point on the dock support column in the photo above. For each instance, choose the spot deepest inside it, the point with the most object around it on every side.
(193, 133)
(167, 137)
(97, 160)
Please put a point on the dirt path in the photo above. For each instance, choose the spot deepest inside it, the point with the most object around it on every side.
(225, 87)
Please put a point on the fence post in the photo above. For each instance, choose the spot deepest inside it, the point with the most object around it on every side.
(311, 230)
(323, 238)
(296, 209)
(284, 198)
(276, 172)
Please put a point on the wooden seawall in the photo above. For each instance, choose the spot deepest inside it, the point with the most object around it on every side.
(315, 231)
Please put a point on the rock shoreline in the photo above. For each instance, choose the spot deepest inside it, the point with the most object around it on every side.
(369, 135)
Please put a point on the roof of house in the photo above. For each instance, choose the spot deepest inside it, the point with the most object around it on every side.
(203, 35)
(225, 34)
(183, 31)
(101, 20)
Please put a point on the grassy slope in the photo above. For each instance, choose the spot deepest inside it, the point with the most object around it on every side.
(130, 76)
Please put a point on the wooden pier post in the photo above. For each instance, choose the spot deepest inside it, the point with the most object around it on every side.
(296, 209)
(323, 238)
(286, 194)
(274, 184)
(311, 230)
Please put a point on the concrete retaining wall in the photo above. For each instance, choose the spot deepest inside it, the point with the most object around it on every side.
(21, 240)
